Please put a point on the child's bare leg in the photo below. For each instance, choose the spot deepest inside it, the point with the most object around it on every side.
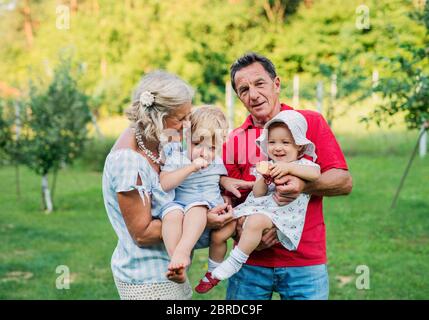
(249, 240)
(252, 232)
(171, 233)
(218, 243)
(194, 222)
(172, 230)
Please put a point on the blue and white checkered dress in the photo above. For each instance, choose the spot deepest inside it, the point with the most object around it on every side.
(130, 263)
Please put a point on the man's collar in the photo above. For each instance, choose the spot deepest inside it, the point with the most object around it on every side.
(248, 122)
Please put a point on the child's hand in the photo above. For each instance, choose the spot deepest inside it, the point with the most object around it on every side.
(263, 167)
(200, 163)
(267, 179)
(279, 169)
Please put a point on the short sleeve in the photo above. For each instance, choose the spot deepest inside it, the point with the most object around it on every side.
(169, 148)
(329, 153)
(218, 167)
(174, 157)
(306, 162)
(173, 162)
(125, 168)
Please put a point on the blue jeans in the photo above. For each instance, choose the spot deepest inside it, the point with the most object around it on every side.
(292, 283)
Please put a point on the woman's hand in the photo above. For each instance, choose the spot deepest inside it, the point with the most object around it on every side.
(219, 216)
(279, 170)
(233, 185)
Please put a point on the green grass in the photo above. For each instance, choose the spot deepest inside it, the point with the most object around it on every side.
(361, 230)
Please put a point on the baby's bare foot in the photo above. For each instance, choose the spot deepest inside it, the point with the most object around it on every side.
(179, 260)
(178, 276)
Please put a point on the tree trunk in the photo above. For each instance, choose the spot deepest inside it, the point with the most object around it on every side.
(18, 188)
(308, 3)
(103, 67)
(73, 6)
(275, 13)
(319, 96)
(18, 136)
(229, 103)
(95, 6)
(46, 195)
(295, 99)
(54, 184)
(330, 114)
(28, 25)
(97, 128)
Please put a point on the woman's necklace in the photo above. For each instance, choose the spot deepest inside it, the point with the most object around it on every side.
(143, 148)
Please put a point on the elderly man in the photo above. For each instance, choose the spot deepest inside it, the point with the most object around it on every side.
(300, 274)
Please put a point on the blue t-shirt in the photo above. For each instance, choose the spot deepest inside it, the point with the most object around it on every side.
(200, 185)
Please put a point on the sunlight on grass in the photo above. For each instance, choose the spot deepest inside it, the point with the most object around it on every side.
(361, 230)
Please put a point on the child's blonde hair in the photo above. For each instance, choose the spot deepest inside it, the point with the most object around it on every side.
(209, 122)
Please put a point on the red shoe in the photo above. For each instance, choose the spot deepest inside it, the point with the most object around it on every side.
(203, 286)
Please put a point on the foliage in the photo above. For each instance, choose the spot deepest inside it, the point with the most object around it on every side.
(11, 148)
(5, 134)
(199, 40)
(56, 129)
(407, 89)
(349, 80)
(97, 151)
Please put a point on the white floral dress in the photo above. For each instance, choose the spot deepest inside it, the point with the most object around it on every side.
(288, 219)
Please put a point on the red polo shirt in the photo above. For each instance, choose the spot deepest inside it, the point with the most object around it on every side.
(239, 162)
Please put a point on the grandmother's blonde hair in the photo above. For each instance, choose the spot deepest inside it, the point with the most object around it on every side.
(209, 122)
(169, 92)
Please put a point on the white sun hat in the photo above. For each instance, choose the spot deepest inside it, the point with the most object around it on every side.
(297, 125)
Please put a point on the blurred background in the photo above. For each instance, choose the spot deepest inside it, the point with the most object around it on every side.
(67, 71)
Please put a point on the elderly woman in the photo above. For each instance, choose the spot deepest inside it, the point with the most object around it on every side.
(133, 195)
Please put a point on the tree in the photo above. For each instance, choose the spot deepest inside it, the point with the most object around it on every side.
(348, 80)
(5, 133)
(198, 40)
(11, 147)
(56, 128)
(277, 10)
(406, 91)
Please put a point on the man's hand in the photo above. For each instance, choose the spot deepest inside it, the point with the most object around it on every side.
(288, 188)
(233, 185)
(269, 236)
(239, 228)
(227, 199)
(219, 216)
(279, 170)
